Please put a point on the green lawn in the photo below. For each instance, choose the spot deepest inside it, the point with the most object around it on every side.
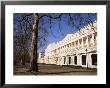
(52, 70)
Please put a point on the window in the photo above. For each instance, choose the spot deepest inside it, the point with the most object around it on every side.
(84, 41)
(80, 42)
(90, 40)
(69, 60)
(83, 59)
(76, 44)
(95, 35)
(94, 59)
(64, 60)
(95, 38)
(73, 43)
(75, 60)
(67, 45)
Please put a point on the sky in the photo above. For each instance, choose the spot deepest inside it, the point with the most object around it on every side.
(59, 34)
(58, 28)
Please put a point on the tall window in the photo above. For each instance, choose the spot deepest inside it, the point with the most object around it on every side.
(75, 60)
(69, 60)
(76, 44)
(64, 60)
(94, 59)
(84, 41)
(83, 59)
(95, 38)
(80, 41)
(90, 40)
(73, 44)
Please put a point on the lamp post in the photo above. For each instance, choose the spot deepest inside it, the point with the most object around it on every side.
(86, 58)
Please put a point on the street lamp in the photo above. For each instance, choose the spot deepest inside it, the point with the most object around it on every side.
(86, 58)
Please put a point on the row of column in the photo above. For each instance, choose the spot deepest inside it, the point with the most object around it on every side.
(65, 60)
(85, 42)
(88, 41)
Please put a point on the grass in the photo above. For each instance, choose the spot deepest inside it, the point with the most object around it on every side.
(50, 69)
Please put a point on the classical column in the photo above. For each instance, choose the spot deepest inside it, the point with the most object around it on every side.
(74, 44)
(82, 43)
(86, 58)
(72, 60)
(60, 62)
(87, 42)
(79, 59)
(78, 44)
(89, 60)
(66, 60)
(93, 39)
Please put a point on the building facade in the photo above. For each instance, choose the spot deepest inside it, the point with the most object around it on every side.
(78, 49)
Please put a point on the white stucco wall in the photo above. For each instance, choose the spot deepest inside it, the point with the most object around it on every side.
(65, 47)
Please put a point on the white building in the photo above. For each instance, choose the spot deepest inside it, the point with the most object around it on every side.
(78, 49)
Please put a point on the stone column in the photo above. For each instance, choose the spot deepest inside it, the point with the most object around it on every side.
(93, 42)
(87, 42)
(67, 60)
(78, 43)
(82, 43)
(72, 60)
(78, 59)
(74, 44)
(62, 61)
(89, 60)
(72, 47)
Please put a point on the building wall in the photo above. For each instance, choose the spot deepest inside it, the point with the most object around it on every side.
(83, 42)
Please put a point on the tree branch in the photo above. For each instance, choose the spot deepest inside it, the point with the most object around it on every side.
(51, 17)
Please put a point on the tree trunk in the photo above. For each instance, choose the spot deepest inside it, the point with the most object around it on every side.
(34, 64)
(23, 61)
(23, 56)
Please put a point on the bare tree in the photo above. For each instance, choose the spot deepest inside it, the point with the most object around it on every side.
(21, 38)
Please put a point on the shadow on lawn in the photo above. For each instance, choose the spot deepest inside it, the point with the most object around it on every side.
(52, 70)
(60, 73)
